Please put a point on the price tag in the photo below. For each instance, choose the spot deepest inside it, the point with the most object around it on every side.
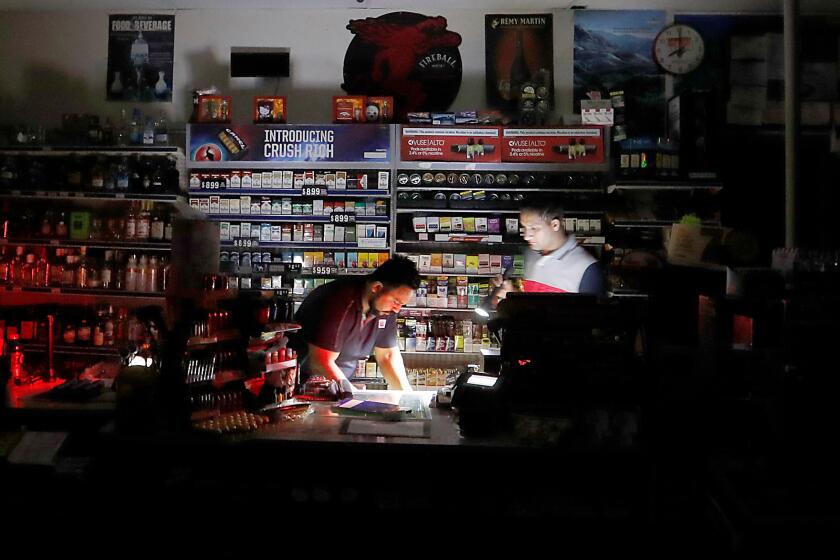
(342, 218)
(55, 242)
(313, 191)
(324, 270)
(55, 290)
(294, 267)
(40, 193)
(247, 243)
(282, 292)
(120, 195)
(15, 193)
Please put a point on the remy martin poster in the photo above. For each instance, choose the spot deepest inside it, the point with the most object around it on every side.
(518, 50)
(140, 54)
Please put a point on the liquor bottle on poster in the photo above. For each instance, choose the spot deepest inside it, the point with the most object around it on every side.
(519, 72)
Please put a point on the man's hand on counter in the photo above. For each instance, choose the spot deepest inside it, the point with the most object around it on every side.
(345, 388)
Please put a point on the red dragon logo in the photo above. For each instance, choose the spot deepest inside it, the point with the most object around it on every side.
(407, 56)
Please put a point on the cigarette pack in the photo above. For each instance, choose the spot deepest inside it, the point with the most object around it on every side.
(484, 263)
(436, 263)
(495, 264)
(472, 264)
(512, 225)
(224, 231)
(288, 179)
(419, 224)
(353, 260)
(235, 206)
(448, 262)
(481, 225)
(224, 206)
(329, 233)
(445, 224)
(251, 180)
(432, 224)
(469, 224)
(457, 224)
(340, 259)
(425, 263)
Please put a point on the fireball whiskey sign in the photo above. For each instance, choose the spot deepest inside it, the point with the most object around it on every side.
(409, 56)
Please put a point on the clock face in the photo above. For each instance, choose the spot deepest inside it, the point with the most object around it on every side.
(678, 49)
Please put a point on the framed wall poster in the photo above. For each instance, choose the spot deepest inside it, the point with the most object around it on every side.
(518, 49)
(140, 57)
(613, 50)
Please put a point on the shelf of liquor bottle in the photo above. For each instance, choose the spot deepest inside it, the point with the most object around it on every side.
(352, 218)
(279, 366)
(224, 336)
(664, 185)
(87, 292)
(509, 189)
(500, 167)
(291, 192)
(447, 309)
(456, 211)
(70, 350)
(96, 244)
(92, 195)
(379, 161)
(300, 245)
(110, 150)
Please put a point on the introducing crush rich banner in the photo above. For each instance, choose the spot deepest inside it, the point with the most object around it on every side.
(290, 143)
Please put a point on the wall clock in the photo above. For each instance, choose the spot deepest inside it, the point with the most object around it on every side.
(678, 49)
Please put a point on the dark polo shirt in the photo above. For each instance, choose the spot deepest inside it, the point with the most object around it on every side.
(331, 317)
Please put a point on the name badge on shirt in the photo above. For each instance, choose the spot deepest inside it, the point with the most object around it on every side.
(382, 323)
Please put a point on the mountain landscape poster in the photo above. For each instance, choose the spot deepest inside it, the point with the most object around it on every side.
(613, 51)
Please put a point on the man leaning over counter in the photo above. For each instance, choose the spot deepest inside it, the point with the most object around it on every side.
(345, 320)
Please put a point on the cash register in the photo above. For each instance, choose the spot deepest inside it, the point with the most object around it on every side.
(560, 355)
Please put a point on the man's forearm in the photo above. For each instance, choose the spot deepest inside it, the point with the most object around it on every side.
(391, 363)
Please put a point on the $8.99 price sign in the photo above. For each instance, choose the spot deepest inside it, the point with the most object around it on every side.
(342, 218)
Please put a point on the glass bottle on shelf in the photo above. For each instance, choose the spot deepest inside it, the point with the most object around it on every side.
(118, 272)
(132, 274)
(149, 132)
(73, 174)
(61, 230)
(161, 131)
(4, 267)
(106, 276)
(16, 267)
(8, 173)
(131, 223)
(42, 270)
(123, 177)
(121, 133)
(158, 176)
(108, 132)
(83, 331)
(95, 232)
(97, 174)
(46, 230)
(167, 229)
(146, 171)
(164, 274)
(111, 177)
(83, 272)
(153, 275)
(108, 326)
(135, 180)
(98, 338)
(57, 267)
(144, 222)
(28, 271)
(68, 274)
(171, 176)
(136, 130)
(156, 230)
(142, 273)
